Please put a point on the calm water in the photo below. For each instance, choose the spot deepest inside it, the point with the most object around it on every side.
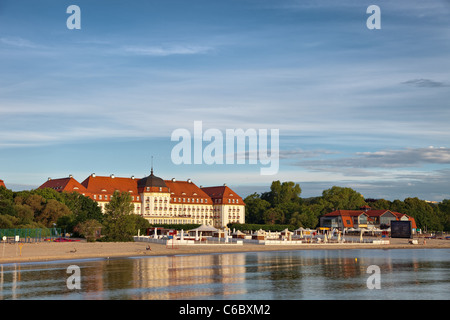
(287, 275)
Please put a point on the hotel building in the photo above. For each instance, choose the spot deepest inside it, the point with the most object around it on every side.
(162, 201)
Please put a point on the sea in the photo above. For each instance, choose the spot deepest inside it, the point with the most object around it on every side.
(366, 274)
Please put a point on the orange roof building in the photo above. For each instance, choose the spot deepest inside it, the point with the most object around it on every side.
(363, 218)
(2, 184)
(68, 184)
(162, 201)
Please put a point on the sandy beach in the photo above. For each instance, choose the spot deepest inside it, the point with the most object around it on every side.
(48, 251)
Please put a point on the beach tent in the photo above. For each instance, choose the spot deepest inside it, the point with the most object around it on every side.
(238, 234)
(203, 229)
(259, 235)
(299, 231)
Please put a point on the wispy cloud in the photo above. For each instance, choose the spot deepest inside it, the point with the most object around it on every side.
(162, 51)
(409, 157)
(17, 42)
(425, 83)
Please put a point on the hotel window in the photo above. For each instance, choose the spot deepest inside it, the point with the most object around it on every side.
(148, 188)
(95, 196)
(100, 197)
(137, 198)
(189, 199)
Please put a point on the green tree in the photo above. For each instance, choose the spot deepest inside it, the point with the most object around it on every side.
(7, 207)
(444, 207)
(49, 193)
(51, 212)
(83, 208)
(255, 208)
(273, 216)
(89, 229)
(288, 209)
(282, 193)
(140, 223)
(7, 221)
(424, 214)
(380, 204)
(342, 198)
(24, 214)
(118, 221)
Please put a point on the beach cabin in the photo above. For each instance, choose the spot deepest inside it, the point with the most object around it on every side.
(286, 234)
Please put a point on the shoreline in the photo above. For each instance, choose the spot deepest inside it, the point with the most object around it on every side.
(53, 251)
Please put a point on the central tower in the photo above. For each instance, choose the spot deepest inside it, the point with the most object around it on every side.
(155, 196)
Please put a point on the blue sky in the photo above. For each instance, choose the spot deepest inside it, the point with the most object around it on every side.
(367, 109)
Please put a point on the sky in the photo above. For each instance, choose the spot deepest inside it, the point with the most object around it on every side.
(354, 107)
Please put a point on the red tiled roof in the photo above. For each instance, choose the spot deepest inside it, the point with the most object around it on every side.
(413, 222)
(100, 185)
(376, 213)
(351, 213)
(180, 189)
(400, 215)
(107, 185)
(64, 184)
(2, 184)
(224, 193)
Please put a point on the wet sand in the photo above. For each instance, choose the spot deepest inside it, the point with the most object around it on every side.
(49, 251)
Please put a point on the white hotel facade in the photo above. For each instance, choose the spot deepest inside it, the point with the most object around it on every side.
(162, 201)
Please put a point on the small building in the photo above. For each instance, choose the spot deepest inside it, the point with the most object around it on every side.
(341, 219)
(2, 184)
(363, 218)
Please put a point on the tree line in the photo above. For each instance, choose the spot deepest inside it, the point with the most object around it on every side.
(283, 205)
(72, 212)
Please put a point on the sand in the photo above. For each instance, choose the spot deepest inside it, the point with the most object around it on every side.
(49, 251)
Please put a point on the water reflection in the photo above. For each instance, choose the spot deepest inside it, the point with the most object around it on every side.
(309, 274)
